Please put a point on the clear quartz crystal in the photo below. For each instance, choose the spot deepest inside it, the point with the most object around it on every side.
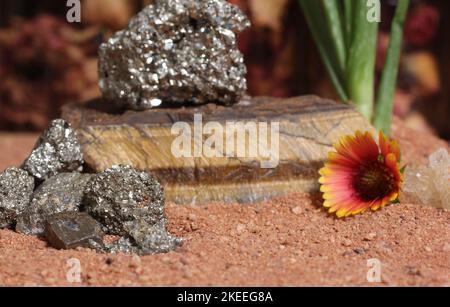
(440, 164)
(429, 185)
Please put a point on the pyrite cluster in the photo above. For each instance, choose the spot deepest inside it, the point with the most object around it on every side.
(176, 51)
(50, 197)
(173, 51)
(130, 203)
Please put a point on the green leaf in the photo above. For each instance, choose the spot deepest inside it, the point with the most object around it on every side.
(386, 90)
(403, 169)
(348, 25)
(361, 59)
(336, 30)
(315, 15)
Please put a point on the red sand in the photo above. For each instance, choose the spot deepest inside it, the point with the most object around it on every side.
(15, 148)
(289, 241)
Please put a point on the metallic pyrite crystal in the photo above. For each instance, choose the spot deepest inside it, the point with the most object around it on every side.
(121, 196)
(153, 239)
(130, 203)
(124, 245)
(176, 51)
(16, 188)
(69, 230)
(145, 239)
(57, 150)
(61, 193)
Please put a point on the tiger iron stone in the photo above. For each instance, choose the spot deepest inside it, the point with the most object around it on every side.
(308, 127)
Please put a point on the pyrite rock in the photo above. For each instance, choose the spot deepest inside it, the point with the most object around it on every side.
(308, 126)
(124, 245)
(69, 230)
(16, 188)
(130, 203)
(61, 193)
(153, 239)
(121, 196)
(145, 240)
(175, 51)
(56, 151)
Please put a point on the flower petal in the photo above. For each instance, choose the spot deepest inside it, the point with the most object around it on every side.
(388, 147)
(355, 179)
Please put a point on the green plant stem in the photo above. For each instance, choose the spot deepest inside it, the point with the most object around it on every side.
(335, 28)
(361, 60)
(386, 90)
(323, 38)
(348, 17)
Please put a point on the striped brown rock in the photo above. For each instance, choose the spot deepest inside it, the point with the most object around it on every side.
(308, 126)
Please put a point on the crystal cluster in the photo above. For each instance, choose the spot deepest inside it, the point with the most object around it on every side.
(16, 187)
(68, 230)
(60, 193)
(57, 150)
(130, 203)
(176, 51)
(71, 209)
(429, 185)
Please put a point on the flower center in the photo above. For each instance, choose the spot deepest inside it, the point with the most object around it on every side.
(373, 181)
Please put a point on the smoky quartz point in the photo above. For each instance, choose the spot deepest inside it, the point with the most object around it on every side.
(57, 150)
(176, 51)
(16, 188)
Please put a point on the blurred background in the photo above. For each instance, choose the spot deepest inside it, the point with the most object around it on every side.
(46, 62)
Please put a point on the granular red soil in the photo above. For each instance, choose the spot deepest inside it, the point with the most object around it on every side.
(288, 241)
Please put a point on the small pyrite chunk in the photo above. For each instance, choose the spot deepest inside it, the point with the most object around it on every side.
(16, 188)
(130, 203)
(121, 195)
(124, 245)
(61, 193)
(69, 230)
(153, 239)
(176, 51)
(57, 150)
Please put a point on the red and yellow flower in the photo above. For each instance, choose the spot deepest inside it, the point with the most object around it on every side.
(361, 174)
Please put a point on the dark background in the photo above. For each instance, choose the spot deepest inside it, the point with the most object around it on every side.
(46, 62)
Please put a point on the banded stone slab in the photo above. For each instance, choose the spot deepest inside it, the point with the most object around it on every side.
(308, 126)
